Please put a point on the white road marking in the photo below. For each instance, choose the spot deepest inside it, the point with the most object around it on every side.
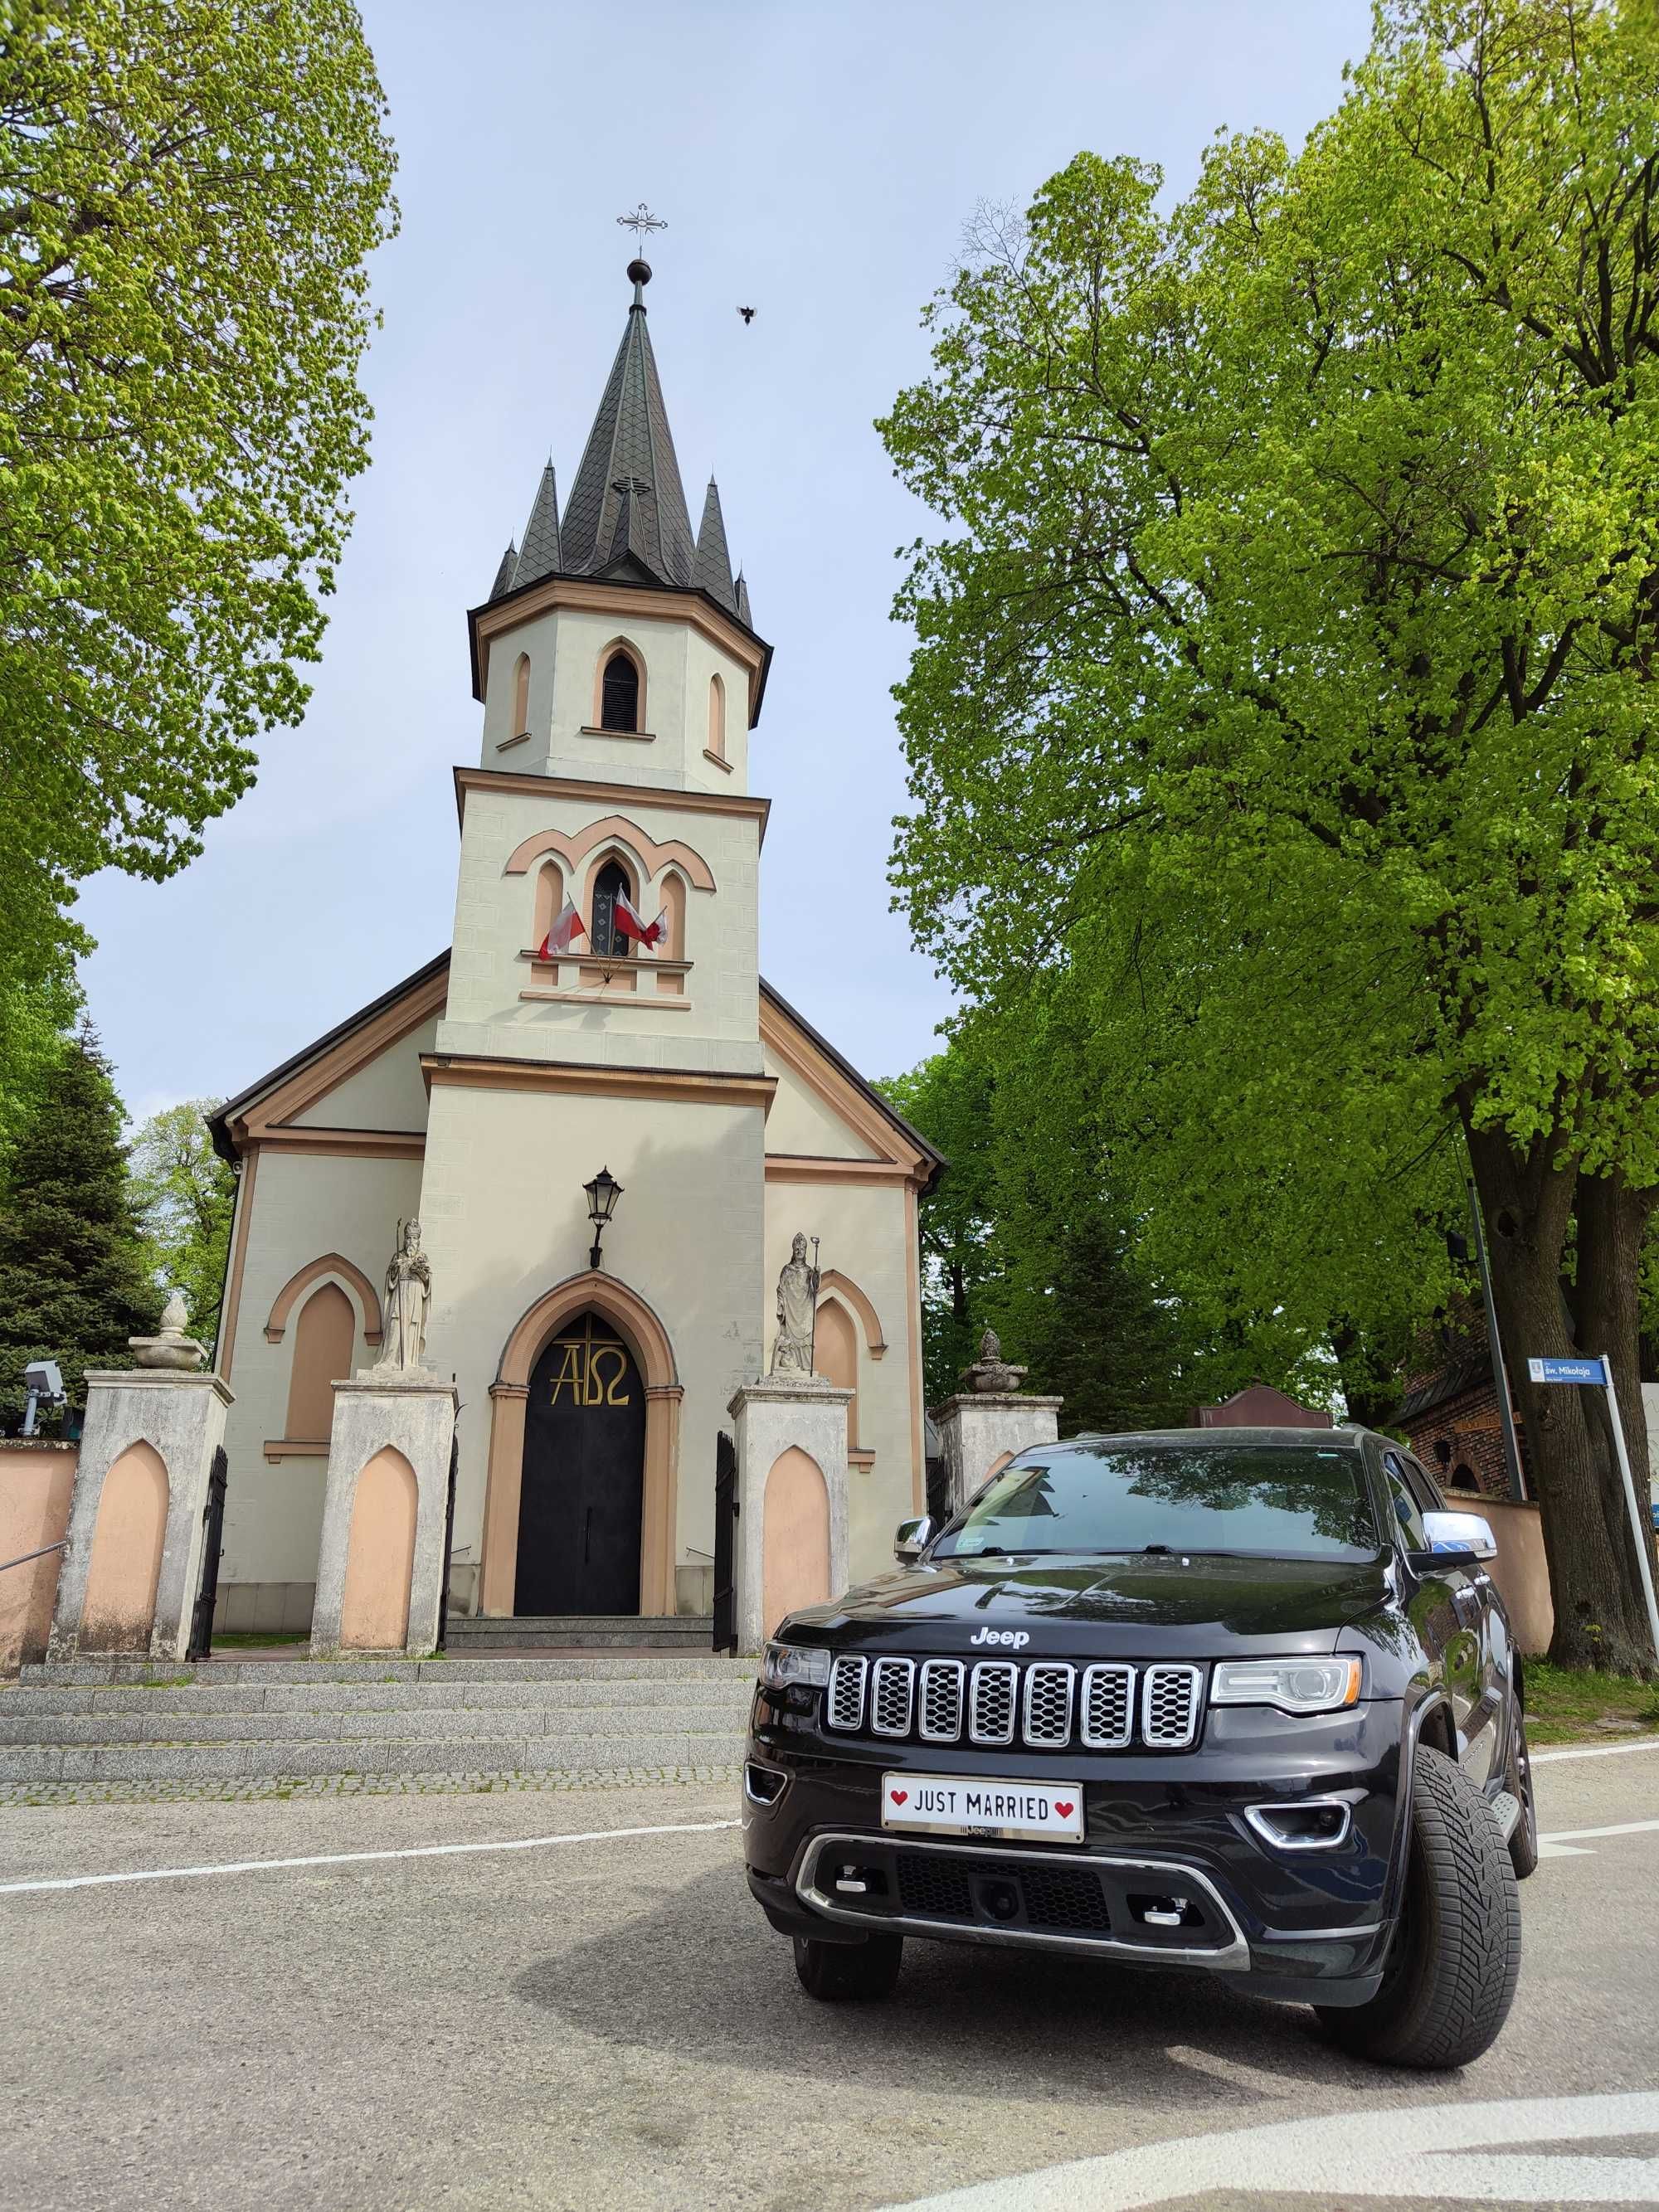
(1562, 1844)
(1594, 1751)
(361, 1858)
(1431, 2152)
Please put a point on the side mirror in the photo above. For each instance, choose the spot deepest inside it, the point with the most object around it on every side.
(1467, 1533)
(912, 1539)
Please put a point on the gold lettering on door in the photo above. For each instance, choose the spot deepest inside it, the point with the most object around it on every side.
(584, 1369)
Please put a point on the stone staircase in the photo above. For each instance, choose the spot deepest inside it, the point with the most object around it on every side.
(586, 1631)
(467, 1712)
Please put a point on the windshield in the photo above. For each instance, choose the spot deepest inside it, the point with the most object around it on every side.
(1278, 1501)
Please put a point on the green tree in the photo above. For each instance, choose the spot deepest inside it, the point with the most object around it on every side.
(948, 1098)
(184, 1195)
(1293, 636)
(74, 1281)
(188, 193)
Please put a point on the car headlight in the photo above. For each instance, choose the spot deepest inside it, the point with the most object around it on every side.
(1294, 1686)
(783, 1665)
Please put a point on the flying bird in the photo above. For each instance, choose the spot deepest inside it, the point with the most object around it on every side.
(748, 314)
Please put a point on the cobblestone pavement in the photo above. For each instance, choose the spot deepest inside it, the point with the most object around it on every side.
(352, 2000)
(353, 1785)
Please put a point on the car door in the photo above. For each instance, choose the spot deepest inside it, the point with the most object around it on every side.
(1477, 1656)
(1453, 1658)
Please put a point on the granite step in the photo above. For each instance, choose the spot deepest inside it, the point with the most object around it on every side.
(589, 1632)
(476, 1667)
(252, 1759)
(463, 1694)
(447, 1724)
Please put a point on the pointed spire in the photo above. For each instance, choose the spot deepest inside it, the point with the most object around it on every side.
(711, 567)
(504, 575)
(743, 615)
(630, 442)
(540, 555)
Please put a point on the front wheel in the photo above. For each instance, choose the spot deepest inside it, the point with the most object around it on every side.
(1451, 1970)
(835, 1971)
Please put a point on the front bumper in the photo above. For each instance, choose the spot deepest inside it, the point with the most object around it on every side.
(1302, 1925)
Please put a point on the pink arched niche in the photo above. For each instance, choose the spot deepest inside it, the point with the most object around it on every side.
(380, 1556)
(549, 901)
(836, 1358)
(119, 1608)
(795, 1540)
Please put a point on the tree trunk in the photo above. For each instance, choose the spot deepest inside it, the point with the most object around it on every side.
(1371, 1387)
(1613, 1222)
(1527, 1201)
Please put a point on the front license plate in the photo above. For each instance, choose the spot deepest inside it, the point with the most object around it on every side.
(959, 1805)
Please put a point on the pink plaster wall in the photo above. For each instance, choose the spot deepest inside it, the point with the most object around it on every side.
(1520, 1571)
(380, 1556)
(795, 1544)
(36, 1480)
(126, 1553)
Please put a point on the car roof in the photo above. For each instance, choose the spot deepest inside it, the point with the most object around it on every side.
(1219, 1439)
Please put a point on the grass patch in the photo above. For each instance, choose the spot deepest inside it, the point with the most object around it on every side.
(254, 1639)
(1563, 1705)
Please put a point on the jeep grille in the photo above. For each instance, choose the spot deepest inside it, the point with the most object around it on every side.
(1046, 1703)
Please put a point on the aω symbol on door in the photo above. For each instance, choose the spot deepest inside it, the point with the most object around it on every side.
(595, 1373)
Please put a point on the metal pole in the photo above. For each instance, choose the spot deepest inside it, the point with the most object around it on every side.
(30, 1404)
(1636, 1527)
(1499, 1372)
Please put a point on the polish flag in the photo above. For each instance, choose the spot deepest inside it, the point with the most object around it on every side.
(563, 935)
(630, 925)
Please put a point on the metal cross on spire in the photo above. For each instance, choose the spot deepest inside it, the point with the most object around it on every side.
(642, 222)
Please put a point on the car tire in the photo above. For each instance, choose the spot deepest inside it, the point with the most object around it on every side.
(1451, 1970)
(836, 1971)
(1517, 1780)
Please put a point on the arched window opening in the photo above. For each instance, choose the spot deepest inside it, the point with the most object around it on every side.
(836, 1359)
(619, 694)
(673, 902)
(323, 1339)
(717, 718)
(604, 936)
(549, 901)
(1463, 1477)
(521, 697)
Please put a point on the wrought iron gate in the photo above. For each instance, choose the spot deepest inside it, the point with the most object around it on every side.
(449, 1538)
(726, 1529)
(212, 1535)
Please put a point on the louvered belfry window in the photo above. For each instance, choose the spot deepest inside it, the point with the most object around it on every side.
(619, 695)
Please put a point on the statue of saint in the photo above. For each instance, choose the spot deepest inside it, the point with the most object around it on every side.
(408, 1302)
(797, 1298)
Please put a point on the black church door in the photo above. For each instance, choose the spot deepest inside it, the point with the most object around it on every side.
(584, 1475)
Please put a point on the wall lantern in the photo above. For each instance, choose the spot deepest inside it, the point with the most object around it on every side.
(602, 1195)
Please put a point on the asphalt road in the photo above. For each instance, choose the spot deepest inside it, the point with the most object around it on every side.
(608, 2022)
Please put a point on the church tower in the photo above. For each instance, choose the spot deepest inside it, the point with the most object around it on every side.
(620, 676)
(597, 1040)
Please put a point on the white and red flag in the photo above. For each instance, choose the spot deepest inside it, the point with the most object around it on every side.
(563, 935)
(630, 925)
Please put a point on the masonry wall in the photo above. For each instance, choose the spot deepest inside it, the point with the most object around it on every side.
(37, 1480)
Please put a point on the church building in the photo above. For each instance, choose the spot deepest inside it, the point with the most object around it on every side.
(600, 1021)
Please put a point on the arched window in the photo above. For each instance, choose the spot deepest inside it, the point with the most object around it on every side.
(673, 901)
(549, 900)
(521, 697)
(836, 1358)
(603, 936)
(717, 718)
(619, 694)
(323, 1341)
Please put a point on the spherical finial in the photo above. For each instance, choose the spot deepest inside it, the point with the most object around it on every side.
(638, 272)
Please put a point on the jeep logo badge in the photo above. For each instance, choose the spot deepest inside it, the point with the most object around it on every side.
(1016, 1638)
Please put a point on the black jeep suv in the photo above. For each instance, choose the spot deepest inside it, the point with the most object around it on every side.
(1237, 1700)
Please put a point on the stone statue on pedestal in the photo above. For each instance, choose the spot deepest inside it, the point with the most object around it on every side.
(798, 1299)
(408, 1303)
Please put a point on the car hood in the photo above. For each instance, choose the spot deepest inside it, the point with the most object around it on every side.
(1104, 1608)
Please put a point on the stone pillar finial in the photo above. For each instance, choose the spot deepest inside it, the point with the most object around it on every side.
(991, 1372)
(172, 1348)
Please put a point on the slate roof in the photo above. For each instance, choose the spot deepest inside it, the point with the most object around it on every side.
(711, 567)
(539, 554)
(630, 444)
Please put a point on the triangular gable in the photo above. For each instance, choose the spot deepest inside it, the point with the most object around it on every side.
(884, 1137)
(298, 1101)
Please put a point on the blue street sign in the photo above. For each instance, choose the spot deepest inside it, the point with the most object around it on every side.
(1566, 1371)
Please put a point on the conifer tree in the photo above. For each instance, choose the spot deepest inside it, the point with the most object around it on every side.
(74, 1285)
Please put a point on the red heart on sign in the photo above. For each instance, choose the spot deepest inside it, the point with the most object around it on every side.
(1064, 1810)
(898, 1796)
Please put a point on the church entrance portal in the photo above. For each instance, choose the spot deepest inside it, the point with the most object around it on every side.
(584, 1475)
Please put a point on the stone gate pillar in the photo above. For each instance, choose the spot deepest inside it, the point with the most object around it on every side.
(133, 1562)
(989, 1420)
(380, 1560)
(786, 1415)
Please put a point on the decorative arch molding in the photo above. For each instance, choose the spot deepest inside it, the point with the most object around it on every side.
(331, 1263)
(629, 1314)
(573, 849)
(833, 1283)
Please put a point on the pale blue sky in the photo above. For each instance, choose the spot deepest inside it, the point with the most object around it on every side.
(816, 162)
